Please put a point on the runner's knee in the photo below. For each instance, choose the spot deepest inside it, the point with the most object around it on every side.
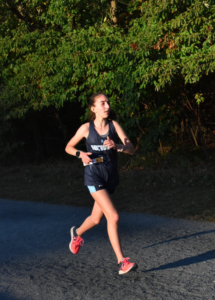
(114, 218)
(96, 221)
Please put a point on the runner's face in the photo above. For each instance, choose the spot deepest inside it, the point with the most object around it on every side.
(101, 107)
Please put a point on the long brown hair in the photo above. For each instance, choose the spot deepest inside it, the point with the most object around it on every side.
(92, 100)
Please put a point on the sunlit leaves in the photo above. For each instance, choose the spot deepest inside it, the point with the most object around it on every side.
(67, 50)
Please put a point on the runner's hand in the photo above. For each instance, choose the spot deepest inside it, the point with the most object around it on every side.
(85, 157)
(109, 143)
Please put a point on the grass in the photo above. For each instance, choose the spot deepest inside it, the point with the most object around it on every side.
(184, 189)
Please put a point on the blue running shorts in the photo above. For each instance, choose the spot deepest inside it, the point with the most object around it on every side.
(95, 188)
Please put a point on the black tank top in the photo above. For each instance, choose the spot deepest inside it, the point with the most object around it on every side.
(94, 143)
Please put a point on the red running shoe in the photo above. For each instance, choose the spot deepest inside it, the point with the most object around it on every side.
(126, 266)
(76, 241)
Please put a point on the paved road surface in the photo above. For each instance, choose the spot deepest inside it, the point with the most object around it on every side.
(176, 258)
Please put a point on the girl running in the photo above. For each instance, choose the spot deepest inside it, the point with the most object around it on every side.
(101, 173)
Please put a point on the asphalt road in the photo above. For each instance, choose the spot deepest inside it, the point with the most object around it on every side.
(176, 258)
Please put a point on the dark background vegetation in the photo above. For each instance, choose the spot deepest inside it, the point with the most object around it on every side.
(154, 59)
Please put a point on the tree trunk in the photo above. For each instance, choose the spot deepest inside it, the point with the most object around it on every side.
(182, 131)
(113, 10)
(193, 135)
(62, 127)
(40, 149)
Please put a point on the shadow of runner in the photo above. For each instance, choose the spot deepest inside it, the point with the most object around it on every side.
(9, 296)
(180, 238)
(186, 261)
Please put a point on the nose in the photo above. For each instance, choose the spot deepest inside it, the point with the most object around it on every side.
(107, 105)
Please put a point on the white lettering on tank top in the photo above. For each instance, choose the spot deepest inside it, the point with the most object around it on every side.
(99, 147)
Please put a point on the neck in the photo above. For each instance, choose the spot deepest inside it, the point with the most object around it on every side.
(100, 122)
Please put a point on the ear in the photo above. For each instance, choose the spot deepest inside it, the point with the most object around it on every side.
(92, 109)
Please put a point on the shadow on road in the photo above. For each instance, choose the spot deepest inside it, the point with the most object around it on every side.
(180, 238)
(8, 296)
(187, 261)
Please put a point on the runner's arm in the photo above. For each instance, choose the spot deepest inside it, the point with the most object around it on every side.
(128, 147)
(80, 134)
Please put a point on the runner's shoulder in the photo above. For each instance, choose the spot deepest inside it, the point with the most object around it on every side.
(85, 126)
(116, 124)
(84, 129)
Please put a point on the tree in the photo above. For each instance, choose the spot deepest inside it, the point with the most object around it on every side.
(150, 57)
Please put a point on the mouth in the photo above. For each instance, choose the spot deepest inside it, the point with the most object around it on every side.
(107, 112)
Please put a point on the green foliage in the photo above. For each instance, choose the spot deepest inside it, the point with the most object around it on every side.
(57, 51)
(199, 98)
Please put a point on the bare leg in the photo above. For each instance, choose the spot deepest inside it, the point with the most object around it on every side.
(93, 220)
(102, 198)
